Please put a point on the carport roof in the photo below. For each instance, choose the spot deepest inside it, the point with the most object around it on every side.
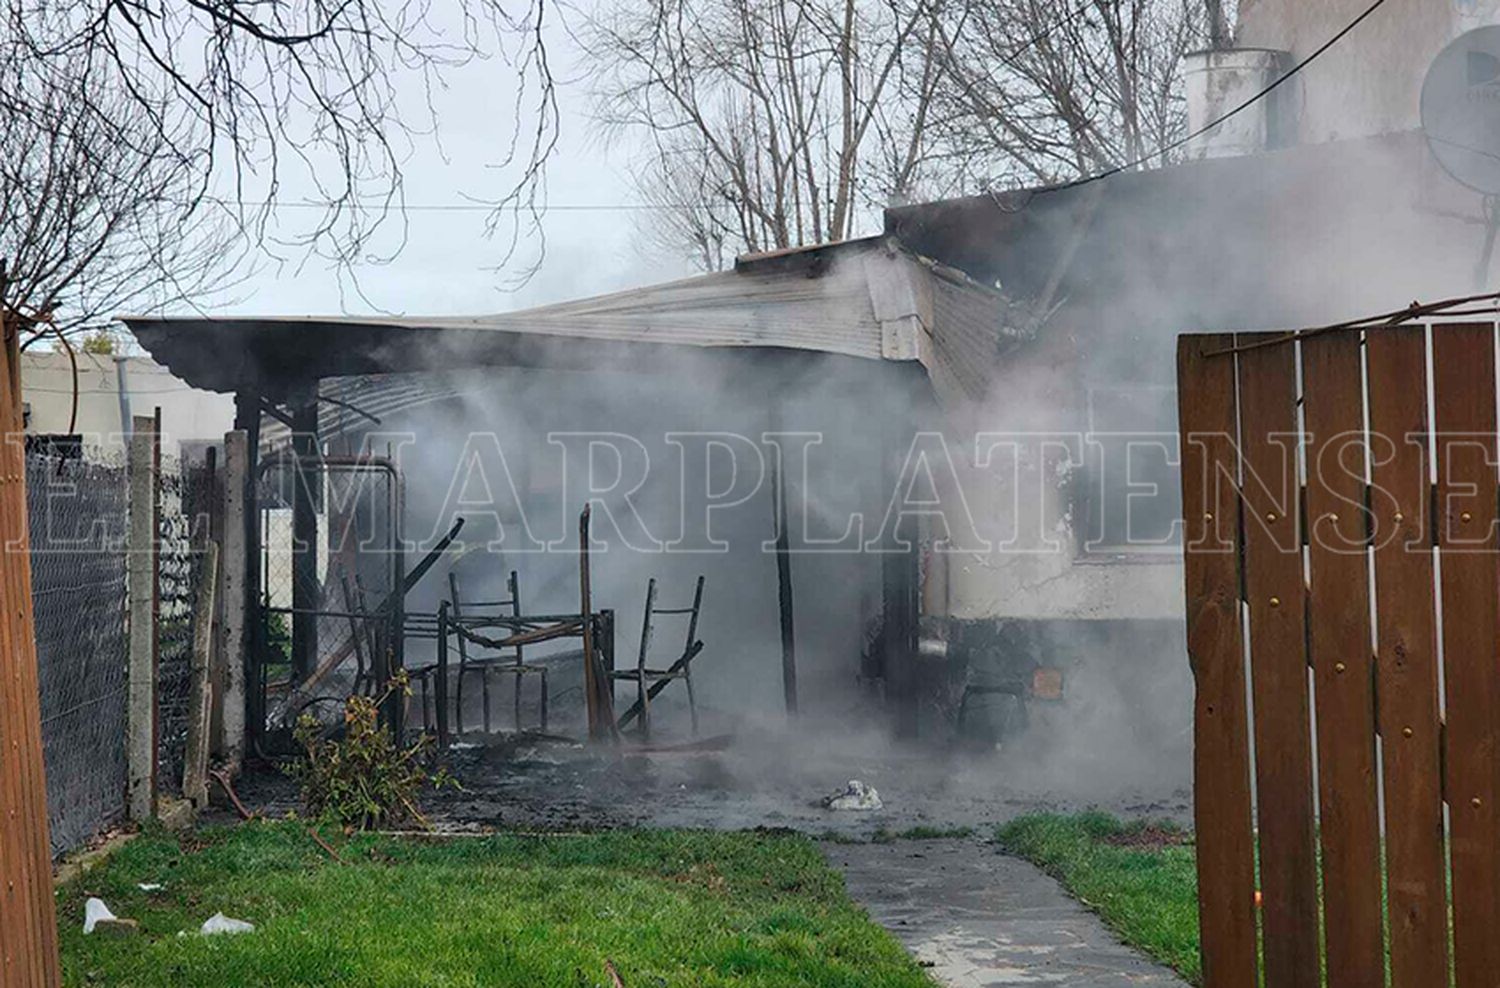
(869, 299)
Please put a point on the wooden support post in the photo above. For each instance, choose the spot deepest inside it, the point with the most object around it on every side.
(237, 602)
(28, 916)
(307, 596)
(585, 605)
(141, 581)
(598, 690)
(442, 676)
(200, 693)
(783, 576)
(247, 411)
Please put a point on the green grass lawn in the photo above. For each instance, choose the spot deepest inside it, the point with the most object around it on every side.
(668, 908)
(1138, 877)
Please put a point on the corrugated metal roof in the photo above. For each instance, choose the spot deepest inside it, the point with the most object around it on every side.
(869, 299)
(826, 309)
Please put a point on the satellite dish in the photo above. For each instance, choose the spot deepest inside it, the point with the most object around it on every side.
(1461, 109)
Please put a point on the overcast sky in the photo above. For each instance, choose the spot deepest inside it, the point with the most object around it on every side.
(446, 266)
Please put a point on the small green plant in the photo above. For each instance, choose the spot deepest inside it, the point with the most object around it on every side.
(278, 640)
(363, 780)
(100, 341)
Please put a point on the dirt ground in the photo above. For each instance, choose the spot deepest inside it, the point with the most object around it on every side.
(764, 778)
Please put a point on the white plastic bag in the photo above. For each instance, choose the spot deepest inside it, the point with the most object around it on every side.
(95, 912)
(219, 923)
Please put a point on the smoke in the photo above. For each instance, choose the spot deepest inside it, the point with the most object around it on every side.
(1044, 511)
(676, 463)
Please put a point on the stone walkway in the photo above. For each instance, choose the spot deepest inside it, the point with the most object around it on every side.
(980, 919)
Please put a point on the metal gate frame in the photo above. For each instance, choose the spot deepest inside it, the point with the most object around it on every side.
(385, 663)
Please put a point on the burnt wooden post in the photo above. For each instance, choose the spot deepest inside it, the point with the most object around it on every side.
(306, 587)
(442, 675)
(235, 618)
(585, 609)
(247, 407)
(783, 573)
(598, 690)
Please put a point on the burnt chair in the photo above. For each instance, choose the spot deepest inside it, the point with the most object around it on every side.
(650, 682)
(507, 662)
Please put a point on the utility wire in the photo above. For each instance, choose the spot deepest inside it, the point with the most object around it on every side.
(1046, 33)
(1010, 59)
(1267, 91)
(459, 207)
(480, 207)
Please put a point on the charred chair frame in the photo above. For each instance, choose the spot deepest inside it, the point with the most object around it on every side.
(650, 682)
(513, 665)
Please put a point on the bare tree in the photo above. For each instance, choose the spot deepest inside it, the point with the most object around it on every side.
(774, 123)
(1035, 94)
(326, 98)
(684, 211)
(95, 205)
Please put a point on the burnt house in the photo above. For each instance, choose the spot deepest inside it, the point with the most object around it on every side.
(991, 380)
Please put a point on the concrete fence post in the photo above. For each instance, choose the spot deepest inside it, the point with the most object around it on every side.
(230, 657)
(140, 569)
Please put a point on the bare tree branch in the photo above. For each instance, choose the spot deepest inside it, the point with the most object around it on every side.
(267, 96)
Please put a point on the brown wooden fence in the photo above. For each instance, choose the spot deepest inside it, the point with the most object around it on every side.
(1343, 619)
(28, 924)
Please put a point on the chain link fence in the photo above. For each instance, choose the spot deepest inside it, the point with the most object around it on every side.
(349, 582)
(77, 518)
(185, 499)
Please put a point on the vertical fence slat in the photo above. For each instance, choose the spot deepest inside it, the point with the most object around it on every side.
(17, 926)
(1464, 397)
(1221, 740)
(1406, 658)
(1343, 668)
(1275, 590)
(18, 930)
(26, 878)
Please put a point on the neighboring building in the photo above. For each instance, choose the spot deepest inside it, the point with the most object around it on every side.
(1370, 83)
(49, 389)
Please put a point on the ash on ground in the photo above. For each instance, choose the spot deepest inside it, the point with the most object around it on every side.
(769, 778)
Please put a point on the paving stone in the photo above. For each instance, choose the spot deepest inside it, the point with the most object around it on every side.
(977, 918)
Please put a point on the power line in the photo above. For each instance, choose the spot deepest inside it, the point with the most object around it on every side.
(1268, 90)
(1010, 59)
(1045, 33)
(463, 207)
(480, 207)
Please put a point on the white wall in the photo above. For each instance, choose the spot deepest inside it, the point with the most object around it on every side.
(187, 414)
(1371, 82)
